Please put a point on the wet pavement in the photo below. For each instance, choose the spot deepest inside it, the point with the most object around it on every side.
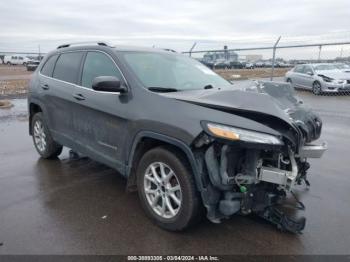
(78, 206)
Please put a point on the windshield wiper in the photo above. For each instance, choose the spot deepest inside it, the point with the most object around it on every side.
(162, 89)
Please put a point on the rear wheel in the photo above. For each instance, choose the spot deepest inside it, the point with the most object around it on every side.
(43, 142)
(167, 190)
(316, 88)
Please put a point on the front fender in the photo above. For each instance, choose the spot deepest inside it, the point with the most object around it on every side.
(169, 140)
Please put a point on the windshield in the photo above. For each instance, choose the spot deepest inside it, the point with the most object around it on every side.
(342, 66)
(172, 71)
(324, 67)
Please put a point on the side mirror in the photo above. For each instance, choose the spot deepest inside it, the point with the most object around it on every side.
(108, 84)
(309, 73)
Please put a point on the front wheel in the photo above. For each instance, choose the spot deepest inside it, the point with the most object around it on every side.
(167, 190)
(43, 142)
(316, 88)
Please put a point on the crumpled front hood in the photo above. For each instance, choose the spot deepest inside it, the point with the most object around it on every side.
(270, 98)
(271, 103)
(334, 74)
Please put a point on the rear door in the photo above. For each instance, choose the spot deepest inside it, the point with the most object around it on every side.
(99, 117)
(297, 75)
(59, 96)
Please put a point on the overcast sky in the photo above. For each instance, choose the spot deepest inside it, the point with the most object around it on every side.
(177, 24)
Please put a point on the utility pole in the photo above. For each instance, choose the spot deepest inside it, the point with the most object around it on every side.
(39, 54)
(194, 44)
(341, 52)
(273, 58)
(319, 52)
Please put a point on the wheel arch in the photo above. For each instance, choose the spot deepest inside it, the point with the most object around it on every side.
(317, 81)
(33, 108)
(146, 140)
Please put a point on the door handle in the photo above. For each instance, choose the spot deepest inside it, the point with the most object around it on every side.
(79, 97)
(45, 87)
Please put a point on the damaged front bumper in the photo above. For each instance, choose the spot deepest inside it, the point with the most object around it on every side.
(287, 179)
(241, 180)
(313, 150)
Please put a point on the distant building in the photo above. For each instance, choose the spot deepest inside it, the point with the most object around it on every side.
(253, 58)
(221, 55)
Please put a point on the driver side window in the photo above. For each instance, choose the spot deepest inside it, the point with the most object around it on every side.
(98, 64)
(307, 70)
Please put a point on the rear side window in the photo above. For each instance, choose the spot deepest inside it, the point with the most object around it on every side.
(67, 67)
(299, 69)
(98, 64)
(49, 65)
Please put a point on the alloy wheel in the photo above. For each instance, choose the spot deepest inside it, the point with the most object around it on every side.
(316, 88)
(39, 135)
(162, 190)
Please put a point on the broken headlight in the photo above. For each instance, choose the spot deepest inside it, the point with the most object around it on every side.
(238, 134)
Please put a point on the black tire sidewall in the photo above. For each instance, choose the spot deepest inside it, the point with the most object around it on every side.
(189, 206)
(52, 149)
(314, 89)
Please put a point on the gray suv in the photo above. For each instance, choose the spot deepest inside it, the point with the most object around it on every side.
(186, 139)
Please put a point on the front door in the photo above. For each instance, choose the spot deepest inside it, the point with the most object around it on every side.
(99, 117)
(307, 77)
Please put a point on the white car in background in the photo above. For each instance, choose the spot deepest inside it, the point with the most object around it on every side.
(319, 78)
(16, 60)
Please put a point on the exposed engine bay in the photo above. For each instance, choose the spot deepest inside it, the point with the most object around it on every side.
(244, 177)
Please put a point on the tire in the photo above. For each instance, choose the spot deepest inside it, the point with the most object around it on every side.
(185, 213)
(42, 139)
(24, 64)
(316, 88)
(8, 63)
(290, 81)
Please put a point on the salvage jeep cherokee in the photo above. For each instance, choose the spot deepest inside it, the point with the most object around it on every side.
(185, 138)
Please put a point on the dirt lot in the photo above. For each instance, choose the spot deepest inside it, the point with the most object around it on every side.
(6, 70)
(232, 74)
(14, 79)
(13, 87)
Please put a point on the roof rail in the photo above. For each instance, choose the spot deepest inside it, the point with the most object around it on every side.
(82, 43)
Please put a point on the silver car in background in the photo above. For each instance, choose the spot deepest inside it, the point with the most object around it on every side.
(320, 78)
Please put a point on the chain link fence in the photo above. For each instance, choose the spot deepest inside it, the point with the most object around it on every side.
(318, 75)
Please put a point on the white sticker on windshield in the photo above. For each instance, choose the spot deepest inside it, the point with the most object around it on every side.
(205, 70)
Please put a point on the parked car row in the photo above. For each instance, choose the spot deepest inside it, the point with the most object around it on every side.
(320, 78)
(16, 60)
(30, 64)
(224, 64)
